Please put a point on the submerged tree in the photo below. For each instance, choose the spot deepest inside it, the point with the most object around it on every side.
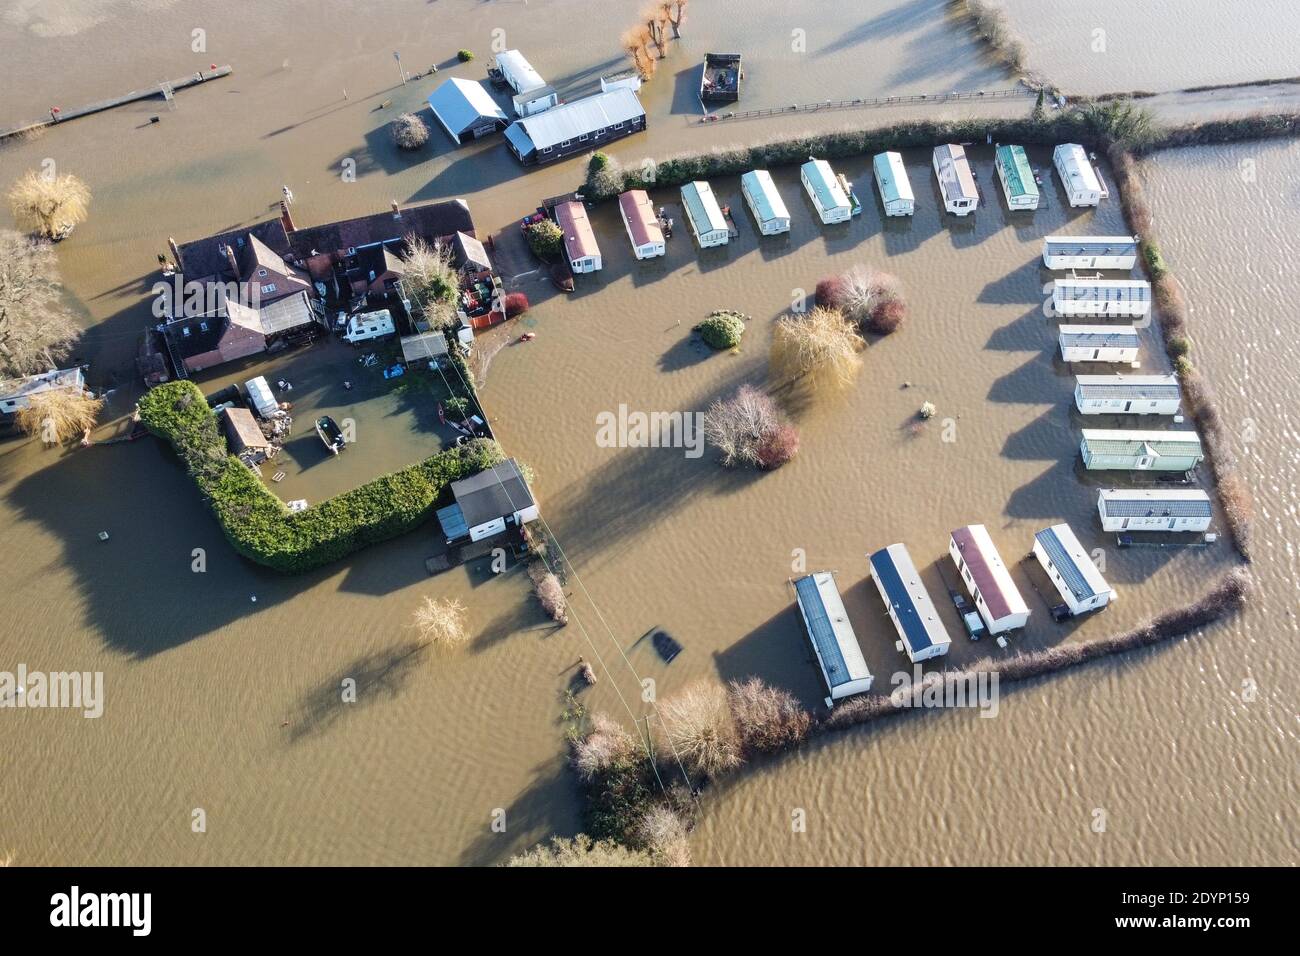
(47, 205)
(703, 731)
(675, 12)
(431, 280)
(59, 414)
(582, 850)
(820, 344)
(409, 131)
(35, 328)
(441, 622)
(636, 43)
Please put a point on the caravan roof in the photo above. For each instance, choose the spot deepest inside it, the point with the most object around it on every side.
(891, 174)
(955, 176)
(768, 203)
(830, 195)
(1067, 555)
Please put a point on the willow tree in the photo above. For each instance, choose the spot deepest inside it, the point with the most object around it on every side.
(441, 622)
(58, 415)
(35, 328)
(47, 205)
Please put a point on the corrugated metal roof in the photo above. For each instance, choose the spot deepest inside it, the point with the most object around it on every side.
(1019, 174)
(1144, 503)
(1102, 290)
(1090, 246)
(1133, 387)
(1078, 170)
(891, 175)
(290, 313)
(990, 575)
(918, 621)
(766, 201)
(956, 181)
(702, 207)
(452, 520)
(1072, 562)
(1115, 441)
(829, 630)
(568, 121)
(518, 138)
(424, 347)
(1099, 336)
(45, 381)
(462, 104)
(825, 185)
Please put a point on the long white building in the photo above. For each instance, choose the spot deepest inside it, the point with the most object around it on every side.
(1099, 343)
(844, 670)
(1154, 509)
(987, 580)
(1090, 252)
(1129, 298)
(1127, 394)
(1071, 570)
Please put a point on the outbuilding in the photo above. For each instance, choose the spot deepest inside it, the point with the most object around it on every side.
(1127, 394)
(1099, 343)
(641, 223)
(1090, 252)
(244, 434)
(834, 644)
(532, 102)
(579, 241)
(424, 350)
(704, 214)
(1071, 570)
(987, 579)
(466, 110)
(1130, 298)
(1154, 509)
(487, 504)
(956, 181)
(1018, 183)
(518, 72)
(765, 202)
(1113, 449)
(578, 126)
(16, 394)
(1082, 185)
(828, 192)
(894, 186)
(922, 634)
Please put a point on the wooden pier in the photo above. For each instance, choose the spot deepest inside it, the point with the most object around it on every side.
(165, 90)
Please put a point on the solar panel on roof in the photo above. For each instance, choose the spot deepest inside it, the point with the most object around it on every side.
(1065, 564)
(1175, 508)
(821, 631)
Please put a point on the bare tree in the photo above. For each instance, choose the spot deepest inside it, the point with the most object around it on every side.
(635, 43)
(35, 329)
(431, 280)
(47, 205)
(58, 414)
(675, 11)
(656, 25)
(703, 732)
(663, 832)
(582, 850)
(604, 746)
(820, 344)
(441, 622)
(738, 425)
(549, 591)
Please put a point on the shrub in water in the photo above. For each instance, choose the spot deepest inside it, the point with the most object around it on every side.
(409, 131)
(464, 55)
(516, 303)
(722, 329)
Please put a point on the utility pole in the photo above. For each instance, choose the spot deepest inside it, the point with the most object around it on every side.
(400, 72)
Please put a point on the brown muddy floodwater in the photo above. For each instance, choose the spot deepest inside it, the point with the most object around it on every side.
(218, 701)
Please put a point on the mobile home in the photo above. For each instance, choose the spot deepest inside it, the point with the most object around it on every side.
(895, 188)
(704, 214)
(578, 126)
(1090, 252)
(1017, 176)
(1116, 449)
(833, 642)
(1130, 298)
(765, 202)
(922, 634)
(1082, 185)
(1127, 394)
(369, 326)
(826, 190)
(1163, 509)
(1099, 343)
(16, 394)
(987, 580)
(488, 503)
(956, 181)
(641, 223)
(579, 241)
(1071, 570)
(518, 72)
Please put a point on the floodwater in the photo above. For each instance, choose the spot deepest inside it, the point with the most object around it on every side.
(223, 683)
(1117, 45)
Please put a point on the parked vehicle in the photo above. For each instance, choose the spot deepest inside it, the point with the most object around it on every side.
(369, 326)
(259, 393)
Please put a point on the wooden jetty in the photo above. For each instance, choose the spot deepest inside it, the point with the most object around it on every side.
(164, 89)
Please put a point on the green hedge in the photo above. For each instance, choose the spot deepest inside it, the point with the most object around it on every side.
(259, 525)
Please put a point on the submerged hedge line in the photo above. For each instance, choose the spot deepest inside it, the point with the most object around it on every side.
(259, 525)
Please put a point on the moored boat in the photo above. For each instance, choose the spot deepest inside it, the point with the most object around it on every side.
(330, 434)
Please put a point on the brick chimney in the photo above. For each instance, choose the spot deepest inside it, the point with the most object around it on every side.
(286, 217)
(176, 254)
(397, 210)
(230, 257)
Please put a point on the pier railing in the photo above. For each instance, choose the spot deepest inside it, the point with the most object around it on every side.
(823, 106)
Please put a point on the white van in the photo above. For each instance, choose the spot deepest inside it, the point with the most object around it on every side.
(259, 393)
(369, 325)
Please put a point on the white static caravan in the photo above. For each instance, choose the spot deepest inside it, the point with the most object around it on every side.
(987, 580)
(1152, 509)
(259, 393)
(826, 191)
(1127, 394)
(1017, 176)
(641, 223)
(922, 633)
(765, 202)
(579, 241)
(1090, 252)
(895, 188)
(1099, 343)
(704, 214)
(838, 653)
(523, 79)
(1130, 298)
(1115, 449)
(1082, 186)
(956, 181)
(1071, 570)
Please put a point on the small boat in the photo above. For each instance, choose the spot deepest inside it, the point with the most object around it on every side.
(330, 434)
(527, 337)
